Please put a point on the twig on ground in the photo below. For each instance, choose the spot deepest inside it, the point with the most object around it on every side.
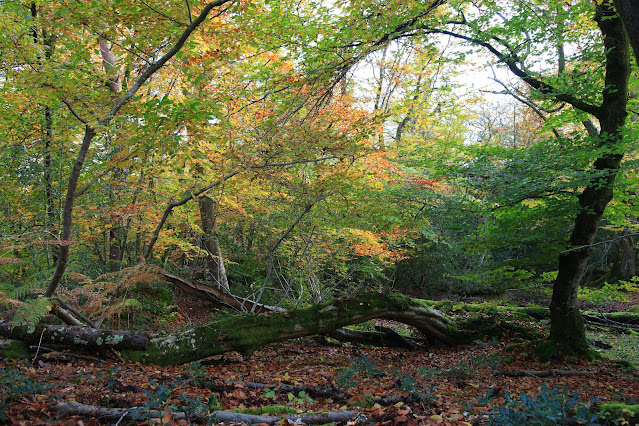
(543, 373)
(77, 409)
(55, 354)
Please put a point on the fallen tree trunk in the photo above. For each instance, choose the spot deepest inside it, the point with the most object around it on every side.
(383, 337)
(75, 408)
(247, 332)
(215, 295)
(75, 336)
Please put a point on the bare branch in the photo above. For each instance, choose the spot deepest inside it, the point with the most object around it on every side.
(601, 242)
(73, 111)
(511, 60)
(188, 8)
(164, 15)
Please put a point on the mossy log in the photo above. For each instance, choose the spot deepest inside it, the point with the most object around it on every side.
(247, 332)
(85, 338)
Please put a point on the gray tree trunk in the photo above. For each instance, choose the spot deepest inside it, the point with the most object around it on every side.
(215, 263)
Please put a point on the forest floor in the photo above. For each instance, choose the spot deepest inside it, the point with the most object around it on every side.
(459, 385)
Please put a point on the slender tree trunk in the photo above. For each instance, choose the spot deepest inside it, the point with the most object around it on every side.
(114, 82)
(115, 251)
(567, 330)
(67, 211)
(624, 266)
(215, 263)
(49, 201)
(90, 132)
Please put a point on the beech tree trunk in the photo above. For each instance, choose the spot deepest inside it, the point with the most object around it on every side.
(567, 331)
(629, 12)
(215, 262)
(624, 266)
(247, 332)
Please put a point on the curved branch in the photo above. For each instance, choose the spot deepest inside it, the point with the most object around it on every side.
(511, 62)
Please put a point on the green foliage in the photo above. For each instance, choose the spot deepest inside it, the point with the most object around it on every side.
(624, 345)
(197, 371)
(154, 301)
(493, 280)
(14, 385)
(608, 293)
(158, 396)
(191, 405)
(31, 311)
(360, 367)
(464, 369)
(546, 407)
(110, 376)
(301, 398)
(269, 393)
(415, 389)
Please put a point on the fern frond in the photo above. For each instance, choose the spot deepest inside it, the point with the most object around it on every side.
(116, 308)
(31, 311)
(27, 289)
(106, 295)
(34, 283)
(81, 278)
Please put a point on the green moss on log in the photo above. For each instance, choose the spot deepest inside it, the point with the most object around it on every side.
(270, 410)
(247, 332)
(620, 413)
(495, 321)
(14, 349)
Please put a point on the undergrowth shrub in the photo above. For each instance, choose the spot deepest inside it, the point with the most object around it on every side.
(13, 386)
(549, 406)
(361, 366)
(415, 389)
(364, 367)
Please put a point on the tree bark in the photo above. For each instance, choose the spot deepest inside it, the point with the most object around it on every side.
(629, 13)
(624, 266)
(215, 263)
(247, 333)
(77, 337)
(75, 408)
(567, 331)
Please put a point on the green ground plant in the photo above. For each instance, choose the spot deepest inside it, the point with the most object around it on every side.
(15, 385)
(360, 367)
(549, 406)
